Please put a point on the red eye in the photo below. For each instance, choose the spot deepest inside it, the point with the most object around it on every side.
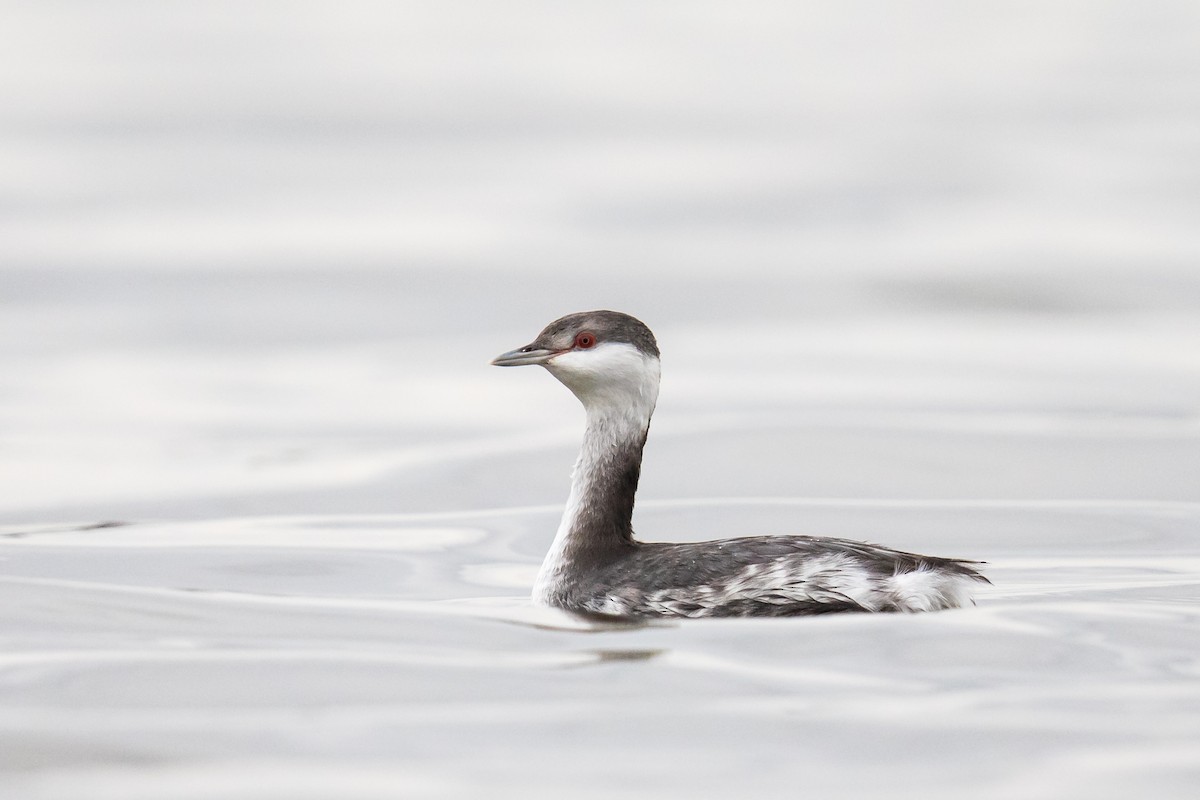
(585, 340)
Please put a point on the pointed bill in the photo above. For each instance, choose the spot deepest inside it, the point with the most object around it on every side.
(523, 356)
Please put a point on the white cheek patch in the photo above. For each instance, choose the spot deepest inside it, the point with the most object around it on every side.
(611, 375)
(610, 360)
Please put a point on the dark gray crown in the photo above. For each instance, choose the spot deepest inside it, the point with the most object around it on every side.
(608, 326)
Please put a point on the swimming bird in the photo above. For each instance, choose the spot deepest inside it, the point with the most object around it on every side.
(610, 361)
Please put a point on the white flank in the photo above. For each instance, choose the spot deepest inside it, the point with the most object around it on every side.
(928, 590)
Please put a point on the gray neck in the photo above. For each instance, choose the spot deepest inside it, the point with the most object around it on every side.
(597, 524)
(606, 480)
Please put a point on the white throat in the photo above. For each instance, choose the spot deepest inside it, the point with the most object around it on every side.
(618, 386)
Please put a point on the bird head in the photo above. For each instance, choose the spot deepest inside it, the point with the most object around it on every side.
(609, 360)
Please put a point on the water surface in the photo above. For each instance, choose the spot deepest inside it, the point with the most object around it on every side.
(922, 275)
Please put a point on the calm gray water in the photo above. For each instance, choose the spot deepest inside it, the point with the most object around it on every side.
(922, 275)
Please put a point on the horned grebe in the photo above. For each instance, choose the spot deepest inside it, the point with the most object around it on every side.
(610, 361)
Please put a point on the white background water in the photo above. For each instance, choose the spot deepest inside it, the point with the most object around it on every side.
(924, 274)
